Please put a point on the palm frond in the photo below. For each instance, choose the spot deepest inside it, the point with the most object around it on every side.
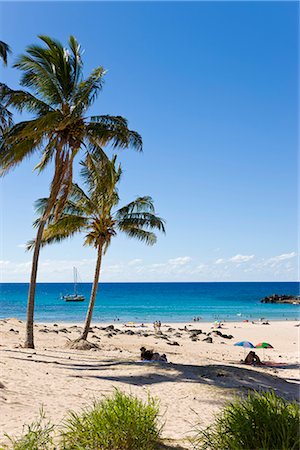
(4, 50)
(142, 220)
(60, 230)
(88, 90)
(22, 100)
(147, 237)
(140, 204)
(113, 130)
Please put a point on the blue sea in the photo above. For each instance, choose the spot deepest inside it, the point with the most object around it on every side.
(146, 302)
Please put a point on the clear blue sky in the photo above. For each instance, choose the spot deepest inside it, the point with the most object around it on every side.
(212, 88)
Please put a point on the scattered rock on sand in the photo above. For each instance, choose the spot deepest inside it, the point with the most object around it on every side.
(129, 332)
(208, 340)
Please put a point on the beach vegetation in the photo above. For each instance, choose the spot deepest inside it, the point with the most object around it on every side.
(36, 436)
(57, 97)
(260, 421)
(94, 212)
(119, 422)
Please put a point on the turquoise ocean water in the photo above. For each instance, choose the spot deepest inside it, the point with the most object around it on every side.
(146, 302)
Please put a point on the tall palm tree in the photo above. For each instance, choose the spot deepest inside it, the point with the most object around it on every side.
(59, 100)
(94, 213)
(4, 50)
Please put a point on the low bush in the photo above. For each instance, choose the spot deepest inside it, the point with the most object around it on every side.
(120, 422)
(261, 421)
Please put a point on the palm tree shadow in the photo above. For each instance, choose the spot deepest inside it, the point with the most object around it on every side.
(224, 376)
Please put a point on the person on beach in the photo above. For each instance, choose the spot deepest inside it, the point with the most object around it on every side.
(253, 359)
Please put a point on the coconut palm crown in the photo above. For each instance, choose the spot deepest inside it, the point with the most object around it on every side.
(94, 212)
(58, 98)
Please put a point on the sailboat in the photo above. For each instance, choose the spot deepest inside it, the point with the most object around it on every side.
(74, 297)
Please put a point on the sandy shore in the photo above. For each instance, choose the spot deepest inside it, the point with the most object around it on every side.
(199, 378)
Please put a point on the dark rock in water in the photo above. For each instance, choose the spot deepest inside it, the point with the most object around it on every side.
(208, 340)
(275, 298)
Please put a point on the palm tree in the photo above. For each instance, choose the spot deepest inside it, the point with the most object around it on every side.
(4, 50)
(94, 213)
(59, 101)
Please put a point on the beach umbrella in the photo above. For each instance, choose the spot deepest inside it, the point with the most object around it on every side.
(245, 344)
(264, 345)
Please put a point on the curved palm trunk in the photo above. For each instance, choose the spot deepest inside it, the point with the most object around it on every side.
(89, 315)
(55, 187)
(29, 343)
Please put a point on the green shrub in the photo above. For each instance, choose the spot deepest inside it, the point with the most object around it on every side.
(261, 421)
(36, 436)
(120, 422)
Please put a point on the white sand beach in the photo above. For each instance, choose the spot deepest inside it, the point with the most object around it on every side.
(198, 379)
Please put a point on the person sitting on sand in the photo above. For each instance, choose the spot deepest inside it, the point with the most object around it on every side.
(253, 359)
(149, 355)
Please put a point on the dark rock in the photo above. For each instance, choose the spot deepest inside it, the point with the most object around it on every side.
(129, 332)
(275, 298)
(173, 343)
(208, 340)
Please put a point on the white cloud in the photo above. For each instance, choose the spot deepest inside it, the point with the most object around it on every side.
(282, 257)
(135, 262)
(220, 261)
(183, 268)
(181, 261)
(241, 258)
(21, 246)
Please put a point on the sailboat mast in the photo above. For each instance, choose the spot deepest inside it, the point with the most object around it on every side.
(75, 280)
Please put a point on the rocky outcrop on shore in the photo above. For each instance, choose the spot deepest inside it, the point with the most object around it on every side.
(275, 298)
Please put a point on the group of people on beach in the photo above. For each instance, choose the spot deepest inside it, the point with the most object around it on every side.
(157, 325)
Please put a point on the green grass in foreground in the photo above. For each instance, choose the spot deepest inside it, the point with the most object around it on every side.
(258, 422)
(36, 436)
(122, 422)
(119, 422)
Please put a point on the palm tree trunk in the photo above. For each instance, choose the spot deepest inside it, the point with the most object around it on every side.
(29, 343)
(89, 315)
(55, 187)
